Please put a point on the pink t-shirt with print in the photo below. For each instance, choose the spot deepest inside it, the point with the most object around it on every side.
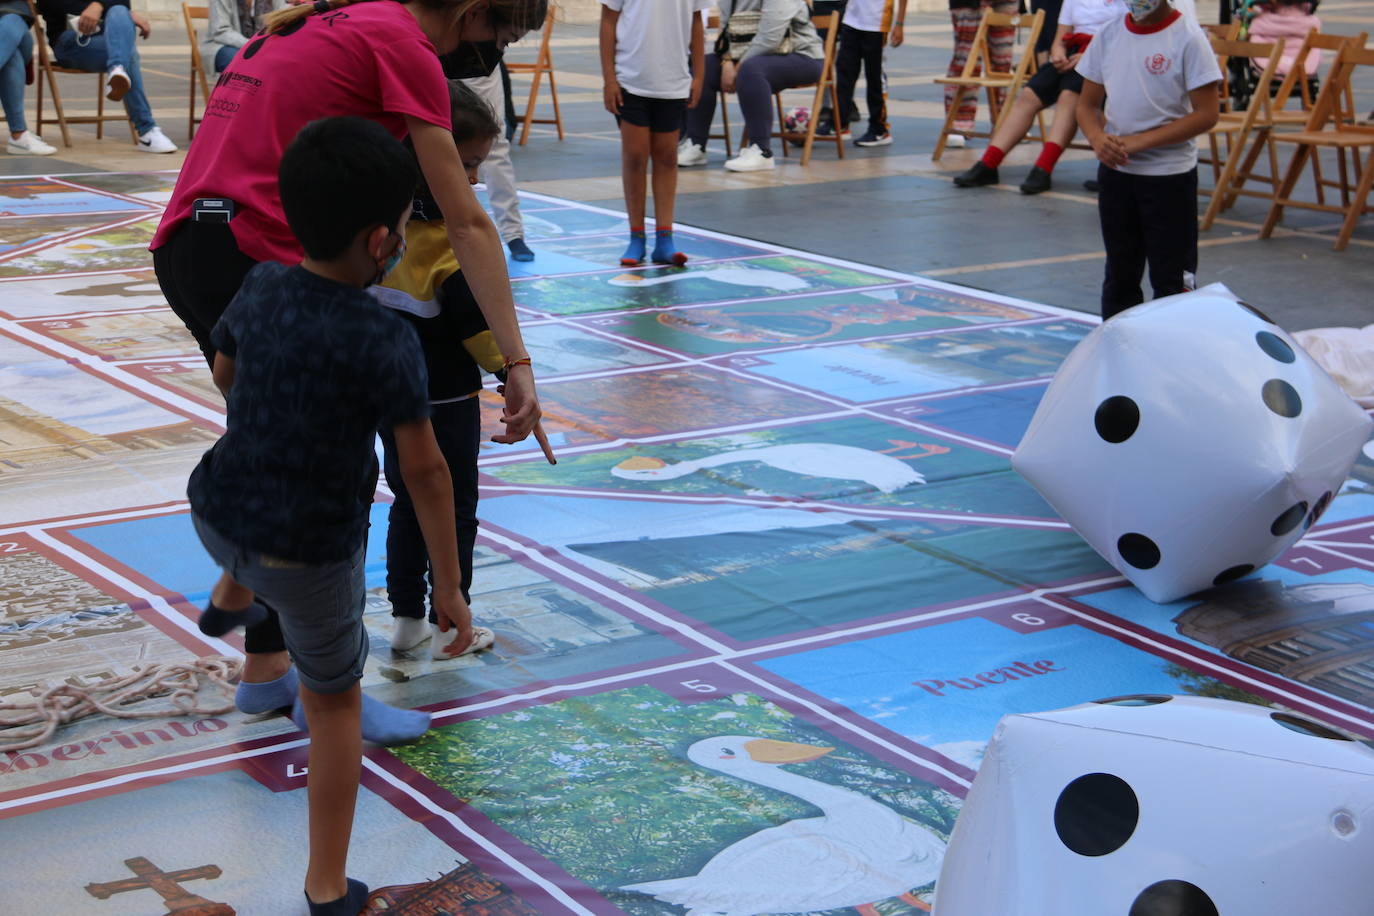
(367, 59)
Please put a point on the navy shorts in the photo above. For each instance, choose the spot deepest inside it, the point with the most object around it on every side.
(1049, 82)
(661, 116)
(320, 607)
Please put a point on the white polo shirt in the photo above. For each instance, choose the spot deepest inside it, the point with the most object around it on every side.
(652, 42)
(1148, 73)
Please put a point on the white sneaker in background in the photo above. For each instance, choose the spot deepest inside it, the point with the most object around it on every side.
(690, 154)
(155, 141)
(956, 141)
(117, 83)
(27, 144)
(750, 159)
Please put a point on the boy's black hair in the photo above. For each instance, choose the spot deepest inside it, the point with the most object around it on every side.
(472, 116)
(339, 177)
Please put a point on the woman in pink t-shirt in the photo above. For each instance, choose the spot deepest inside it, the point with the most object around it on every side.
(384, 60)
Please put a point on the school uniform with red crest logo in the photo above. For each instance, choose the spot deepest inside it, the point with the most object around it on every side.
(1148, 206)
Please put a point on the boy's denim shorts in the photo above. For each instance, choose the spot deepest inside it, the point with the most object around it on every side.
(320, 607)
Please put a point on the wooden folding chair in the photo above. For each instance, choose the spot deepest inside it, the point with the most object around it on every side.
(48, 69)
(543, 64)
(979, 74)
(189, 14)
(1220, 48)
(1280, 117)
(1236, 127)
(1332, 125)
(826, 83)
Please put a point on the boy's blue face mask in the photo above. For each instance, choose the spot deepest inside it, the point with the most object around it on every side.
(1143, 9)
(391, 262)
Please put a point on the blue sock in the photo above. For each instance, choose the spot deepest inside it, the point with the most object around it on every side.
(634, 254)
(348, 905)
(268, 695)
(519, 251)
(216, 621)
(665, 252)
(382, 724)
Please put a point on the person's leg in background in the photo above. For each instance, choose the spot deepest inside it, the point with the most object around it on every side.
(822, 8)
(693, 151)
(871, 49)
(848, 62)
(634, 180)
(1119, 211)
(224, 56)
(510, 101)
(498, 174)
(16, 46)
(663, 149)
(407, 558)
(755, 82)
(1060, 135)
(965, 20)
(1029, 102)
(1169, 217)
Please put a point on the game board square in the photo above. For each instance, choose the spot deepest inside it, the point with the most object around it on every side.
(62, 296)
(27, 197)
(122, 247)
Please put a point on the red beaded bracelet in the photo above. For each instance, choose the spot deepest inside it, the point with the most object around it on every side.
(508, 364)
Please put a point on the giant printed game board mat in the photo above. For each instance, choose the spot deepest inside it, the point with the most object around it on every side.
(782, 567)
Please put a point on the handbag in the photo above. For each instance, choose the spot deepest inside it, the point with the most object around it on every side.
(739, 32)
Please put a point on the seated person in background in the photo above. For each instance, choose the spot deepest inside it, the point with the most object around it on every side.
(232, 23)
(103, 41)
(1290, 20)
(16, 55)
(1057, 84)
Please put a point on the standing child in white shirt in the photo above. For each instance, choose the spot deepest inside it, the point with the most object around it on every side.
(648, 85)
(1159, 80)
(864, 32)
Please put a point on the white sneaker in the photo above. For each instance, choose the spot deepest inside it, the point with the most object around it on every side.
(408, 632)
(482, 638)
(956, 141)
(750, 159)
(117, 83)
(155, 141)
(29, 145)
(690, 154)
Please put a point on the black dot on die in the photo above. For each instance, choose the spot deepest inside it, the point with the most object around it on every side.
(1317, 509)
(1173, 898)
(1138, 550)
(1275, 346)
(1290, 519)
(1096, 814)
(1234, 573)
(1117, 418)
(1282, 398)
(1254, 311)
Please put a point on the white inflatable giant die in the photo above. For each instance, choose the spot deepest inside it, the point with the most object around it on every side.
(1190, 441)
(1164, 806)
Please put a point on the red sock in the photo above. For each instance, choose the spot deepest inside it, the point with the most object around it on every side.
(993, 157)
(1049, 156)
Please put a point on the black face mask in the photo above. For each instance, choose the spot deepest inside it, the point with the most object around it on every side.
(471, 59)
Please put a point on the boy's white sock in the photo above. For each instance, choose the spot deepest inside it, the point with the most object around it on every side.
(408, 633)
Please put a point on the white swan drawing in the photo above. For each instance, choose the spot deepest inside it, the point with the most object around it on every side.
(752, 277)
(857, 853)
(881, 471)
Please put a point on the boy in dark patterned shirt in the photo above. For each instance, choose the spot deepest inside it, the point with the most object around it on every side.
(313, 366)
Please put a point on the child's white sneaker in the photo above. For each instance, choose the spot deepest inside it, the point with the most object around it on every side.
(690, 154)
(955, 141)
(482, 638)
(408, 632)
(117, 83)
(155, 141)
(27, 144)
(750, 159)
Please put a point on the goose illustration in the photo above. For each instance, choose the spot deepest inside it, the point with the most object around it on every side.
(881, 471)
(754, 278)
(857, 853)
